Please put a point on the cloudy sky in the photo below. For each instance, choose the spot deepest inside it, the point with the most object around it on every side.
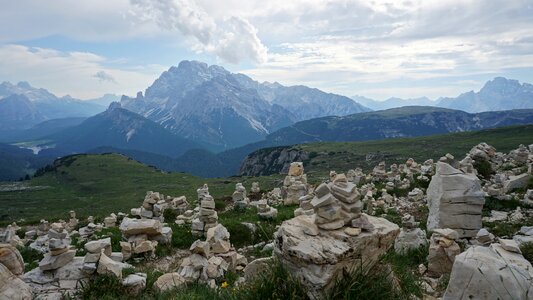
(373, 48)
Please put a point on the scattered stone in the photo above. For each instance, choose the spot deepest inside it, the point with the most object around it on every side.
(168, 281)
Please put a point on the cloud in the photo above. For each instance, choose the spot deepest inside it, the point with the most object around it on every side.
(80, 74)
(232, 39)
(103, 76)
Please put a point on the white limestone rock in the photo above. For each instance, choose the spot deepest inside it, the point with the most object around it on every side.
(319, 260)
(455, 201)
(410, 239)
(490, 273)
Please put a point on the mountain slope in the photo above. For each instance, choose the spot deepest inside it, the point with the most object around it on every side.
(38, 131)
(392, 123)
(17, 111)
(16, 163)
(225, 110)
(398, 122)
(394, 102)
(118, 128)
(342, 156)
(49, 105)
(497, 94)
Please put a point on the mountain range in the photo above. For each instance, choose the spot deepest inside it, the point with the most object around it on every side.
(117, 128)
(23, 106)
(497, 94)
(224, 110)
(205, 120)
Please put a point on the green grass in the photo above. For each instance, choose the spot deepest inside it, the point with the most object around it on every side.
(342, 156)
(100, 184)
(31, 258)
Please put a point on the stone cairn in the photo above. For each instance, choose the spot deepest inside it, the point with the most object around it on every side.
(337, 204)
(442, 251)
(255, 188)
(72, 222)
(154, 205)
(455, 200)
(101, 260)
(264, 211)
(207, 217)
(143, 235)
(59, 252)
(356, 176)
(411, 237)
(239, 196)
(305, 206)
(295, 184)
(274, 197)
(210, 260)
(110, 221)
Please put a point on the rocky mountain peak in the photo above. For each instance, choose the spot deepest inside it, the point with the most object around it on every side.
(502, 86)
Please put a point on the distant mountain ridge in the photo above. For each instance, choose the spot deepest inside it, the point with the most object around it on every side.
(496, 95)
(23, 98)
(117, 128)
(226, 110)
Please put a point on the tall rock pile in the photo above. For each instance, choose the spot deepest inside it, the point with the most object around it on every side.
(336, 204)
(455, 201)
(239, 196)
(318, 249)
(264, 211)
(59, 253)
(208, 216)
(295, 184)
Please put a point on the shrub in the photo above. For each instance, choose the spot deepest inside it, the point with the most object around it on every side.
(527, 251)
(169, 215)
(114, 233)
(483, 168)
(31, 257)
(240, 235)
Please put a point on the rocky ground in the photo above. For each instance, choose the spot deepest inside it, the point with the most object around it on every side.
(450, 229)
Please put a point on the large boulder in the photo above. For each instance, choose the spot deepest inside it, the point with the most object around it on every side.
(12, 287)
(490, 273)
(10, 257)
(319, 260)
(455, 201)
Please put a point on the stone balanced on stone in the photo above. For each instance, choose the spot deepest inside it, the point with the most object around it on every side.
(295, 184)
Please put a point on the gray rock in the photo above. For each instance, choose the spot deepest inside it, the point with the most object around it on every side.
(490, 273)
(455, 201)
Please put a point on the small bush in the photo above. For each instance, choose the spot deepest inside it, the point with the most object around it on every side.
(31, 257)
(170, 215)
(21, 232)
(527, 251)
(115, 234)
(182, 237)
(240, 235)
(483, 168)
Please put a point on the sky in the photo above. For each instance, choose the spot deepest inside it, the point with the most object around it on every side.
(373, 48)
